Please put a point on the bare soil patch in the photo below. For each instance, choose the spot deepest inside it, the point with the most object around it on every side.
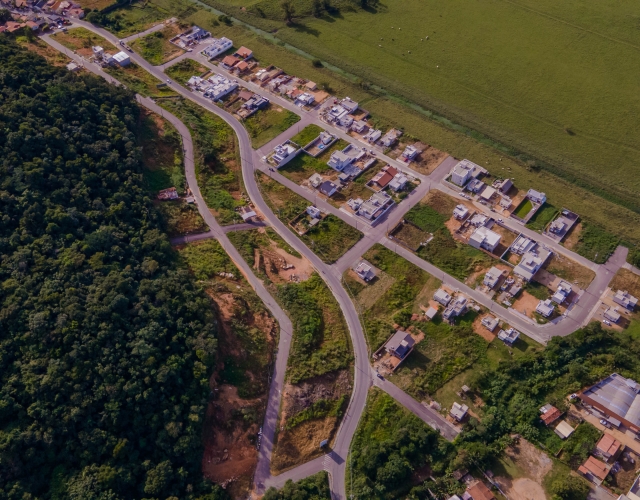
(442, 203)
(282, 267)
(570, 270)
(429, 160)
(532, 466)
(526, 303)
(626, 280)
(572, 239)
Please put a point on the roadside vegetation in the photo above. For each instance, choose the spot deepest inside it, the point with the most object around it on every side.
(85, 263)
(314, 487)
(268, 124)
(216, 156)
(329, 240)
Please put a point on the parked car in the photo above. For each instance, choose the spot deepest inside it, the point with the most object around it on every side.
(379, 376)
(606, 322)
(605, 423)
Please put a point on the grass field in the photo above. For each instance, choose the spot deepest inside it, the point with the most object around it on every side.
(139, 16)
(304, 166)
(545, 214)
(156, 47)
(306, 135)
(523, 72)
(185, 69)
(523, 209)
(329, 239)
(268, 124)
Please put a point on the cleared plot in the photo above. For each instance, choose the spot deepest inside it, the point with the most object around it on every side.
(545, 214)
(81, 40)
(95, 4)
(185, 69)
(304, 165)
(156, 47)
(131, 19)
(306, 135)
(595, 243)
(329, 240)
(626, 280)
(571, 271)
(268, 124)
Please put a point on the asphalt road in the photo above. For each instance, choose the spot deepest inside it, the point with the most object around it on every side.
(335, 461)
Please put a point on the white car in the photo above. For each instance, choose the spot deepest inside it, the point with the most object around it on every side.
(606, 322)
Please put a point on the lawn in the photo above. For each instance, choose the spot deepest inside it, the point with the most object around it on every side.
(522, 73)
(306, 135)
(595, 243)
(268, 124)
(390, 111)
(156, 47)
(523, 209)
(329, 240)
(185, 69)
(544, 215)
(304, 166)
(217, 164)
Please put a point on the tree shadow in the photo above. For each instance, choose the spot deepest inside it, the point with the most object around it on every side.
(303, 28)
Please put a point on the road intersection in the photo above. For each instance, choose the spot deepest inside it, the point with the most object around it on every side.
(335, 461)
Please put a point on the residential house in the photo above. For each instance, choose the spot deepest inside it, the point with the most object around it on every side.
(442, 297)
(327, 188)
(196, 34)
(400, 344)
(98, 51)
(557, 226)
(359, 126)
(355, 203)
(618, 398)
(373, 135)
(460, 212)
(563, 430)
(217, 47)
(77, 13)
(336, 114)
(609, 447)
(531, 262)
(73, 67)
(305, 99)
(549, 414)
(456, 308)
(478, 491)
(475, 185)
(390, 138)
(490, 322)
(244, 53)
(282, 153)
(364, 270)
(634, 491)
(247, 213)
(458, 411)
(505, 185)
(383, 178)
(349, 104)
(326, 138)
(484, 238)
(625, 300)
(196, 81)
(339, 160)
(398, 182)
(229, 62)
(505, 202)
(219, 87)
(487, 193)
(611, 314)
(562, 292)
(316, 179)
(431, 312)
(509, 336)
(375, 206)
(594, 470)
(536, 196)
(122, 58)
(465, 170)
(241, 67)
(492, 277)
(545, 308)
(314, 212)
(522, 245)
(409, 153)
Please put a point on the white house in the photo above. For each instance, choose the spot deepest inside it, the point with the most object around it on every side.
(545, 308)
(398, 182)
(562, 292)
(316, 179)
(625, 299)
(484, 238)
(349, 104)
(409, 153)
(122, 58)
(492, 277)
(509, 336)
(364, 271)
(460, 212)
(442, 297)
(217, 47)
(359, 126)
(390, 137)
(531, 262)
(462, 172)
(373, 135)
(282, 153)
(536, 196)
(490, 322)
(314, 212)
(305, 99)
(339, 160)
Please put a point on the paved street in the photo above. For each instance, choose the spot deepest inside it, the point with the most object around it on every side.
(335, 461)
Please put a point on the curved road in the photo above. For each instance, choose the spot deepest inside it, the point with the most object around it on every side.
(334, 461)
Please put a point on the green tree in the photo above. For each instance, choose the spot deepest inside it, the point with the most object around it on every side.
(288, 10)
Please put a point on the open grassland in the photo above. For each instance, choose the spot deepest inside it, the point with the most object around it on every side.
(185, 69)
(217, 163)
(550, 80)
(329, 239)
(156, 47)
(268, 124)
(440, 133)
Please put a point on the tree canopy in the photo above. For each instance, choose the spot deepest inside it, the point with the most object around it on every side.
(106, 344)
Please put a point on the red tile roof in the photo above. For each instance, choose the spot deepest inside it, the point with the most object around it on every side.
(385, 179)
(608, 444)
(244, 52)
(551, 416)
(479, 491)
(390, 170)
(230, 60)
(242, 66)
(594, 467)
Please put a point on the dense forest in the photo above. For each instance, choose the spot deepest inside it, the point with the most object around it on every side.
(106, 344)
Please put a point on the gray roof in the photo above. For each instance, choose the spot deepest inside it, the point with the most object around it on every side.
(619, 395)
(401, 343)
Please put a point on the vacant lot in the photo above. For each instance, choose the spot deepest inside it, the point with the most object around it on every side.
(268, 124)
(545, 214)
(185, 69)
(306, 135)
(523, 72)
(595, 243)
(156, 47)
(81, 40)
(138, 16)
(304, 166)
(523, 209)
(329, 239)
(570, 270)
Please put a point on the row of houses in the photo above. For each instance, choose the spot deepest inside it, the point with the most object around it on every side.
(215, 87)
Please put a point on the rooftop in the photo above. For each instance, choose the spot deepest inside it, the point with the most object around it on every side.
(619, 396)
(608, 445)
(594, 467)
